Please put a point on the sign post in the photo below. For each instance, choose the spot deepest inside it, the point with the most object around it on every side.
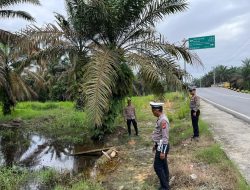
(201, 42)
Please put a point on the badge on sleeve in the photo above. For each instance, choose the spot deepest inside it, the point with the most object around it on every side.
(163, 124)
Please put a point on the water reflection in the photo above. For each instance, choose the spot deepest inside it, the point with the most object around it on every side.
(13, 143)
(36, 152)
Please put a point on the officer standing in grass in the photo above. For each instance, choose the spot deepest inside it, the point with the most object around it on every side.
(195, 112)
(160, 137)
(130, 117)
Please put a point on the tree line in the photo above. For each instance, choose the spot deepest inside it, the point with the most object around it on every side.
(237, 77)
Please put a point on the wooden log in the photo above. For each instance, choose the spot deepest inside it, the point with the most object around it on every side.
(91, 152)
(106, 157)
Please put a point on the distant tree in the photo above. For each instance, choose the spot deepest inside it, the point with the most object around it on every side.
(222, 74)
(246, 73)
(15, 67)
(238, 77)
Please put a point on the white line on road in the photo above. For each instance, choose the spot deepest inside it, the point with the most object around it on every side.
(229, 95)
(235, 112)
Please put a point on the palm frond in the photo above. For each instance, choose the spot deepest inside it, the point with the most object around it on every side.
(47, 35)
(157, 9)
(100, 77)
(18, 14)
(179, 52)
(146, 66)
(21, 91)
(3, 80)
(4, 3)
(39, 81)
(7, 37)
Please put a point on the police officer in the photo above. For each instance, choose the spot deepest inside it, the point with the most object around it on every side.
(130, 117)
(160, 137)
(195, 112)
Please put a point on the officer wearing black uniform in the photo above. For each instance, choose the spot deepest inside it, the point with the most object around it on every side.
(160, 137)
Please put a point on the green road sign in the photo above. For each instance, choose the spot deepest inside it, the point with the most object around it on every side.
(202, 42)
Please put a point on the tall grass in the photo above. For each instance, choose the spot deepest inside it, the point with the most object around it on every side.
(31, 110)
(58, 120)
(11, 179)
(82, 185)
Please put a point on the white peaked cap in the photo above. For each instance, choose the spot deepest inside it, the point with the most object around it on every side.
(156, 104)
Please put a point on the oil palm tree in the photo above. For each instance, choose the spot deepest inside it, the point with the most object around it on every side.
(112, 39)
(246, 73)
(15, 65)
(126, 37)
(67, 41)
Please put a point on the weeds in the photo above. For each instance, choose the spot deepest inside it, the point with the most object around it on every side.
(62, 123)
(82, 185)
(12, 178)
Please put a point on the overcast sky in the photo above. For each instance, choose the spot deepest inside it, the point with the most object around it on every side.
(228, 20)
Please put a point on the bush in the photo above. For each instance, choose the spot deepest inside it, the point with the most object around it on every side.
(48, 177)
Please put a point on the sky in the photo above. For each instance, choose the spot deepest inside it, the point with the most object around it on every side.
(228, 20)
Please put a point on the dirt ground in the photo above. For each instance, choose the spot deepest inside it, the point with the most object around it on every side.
(134, 168)
(232, 133)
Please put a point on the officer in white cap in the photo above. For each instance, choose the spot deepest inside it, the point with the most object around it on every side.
(195, 112)
(160, 137)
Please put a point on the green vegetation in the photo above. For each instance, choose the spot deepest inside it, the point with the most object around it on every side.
(212, 155)
(11, 178)
(32, 110)
(238, 77)
(215, 156)
(82, 185)
(46, 178)
(186, 157)
(59, 121)
(62, 123)
(89, 56)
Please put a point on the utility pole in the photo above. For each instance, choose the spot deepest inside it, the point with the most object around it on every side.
(214, 77)
(184, 41)
(185, 70)
(200, 82)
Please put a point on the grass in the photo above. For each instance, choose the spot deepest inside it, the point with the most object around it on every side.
(57, 120)
(211, 155)
(60, 121)
(14, 178)
(11, 178)
(216, 157)
(47, 177)
(205, 158)
(32, 110)
(82, 185)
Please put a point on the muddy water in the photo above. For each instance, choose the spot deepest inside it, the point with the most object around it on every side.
(35, 152)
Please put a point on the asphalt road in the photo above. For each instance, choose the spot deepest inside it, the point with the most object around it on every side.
(233, 102)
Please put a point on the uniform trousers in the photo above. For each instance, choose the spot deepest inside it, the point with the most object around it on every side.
(161, 169)
(195, 121)
(129, 121)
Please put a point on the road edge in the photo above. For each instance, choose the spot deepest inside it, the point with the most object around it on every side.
(232, 112)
